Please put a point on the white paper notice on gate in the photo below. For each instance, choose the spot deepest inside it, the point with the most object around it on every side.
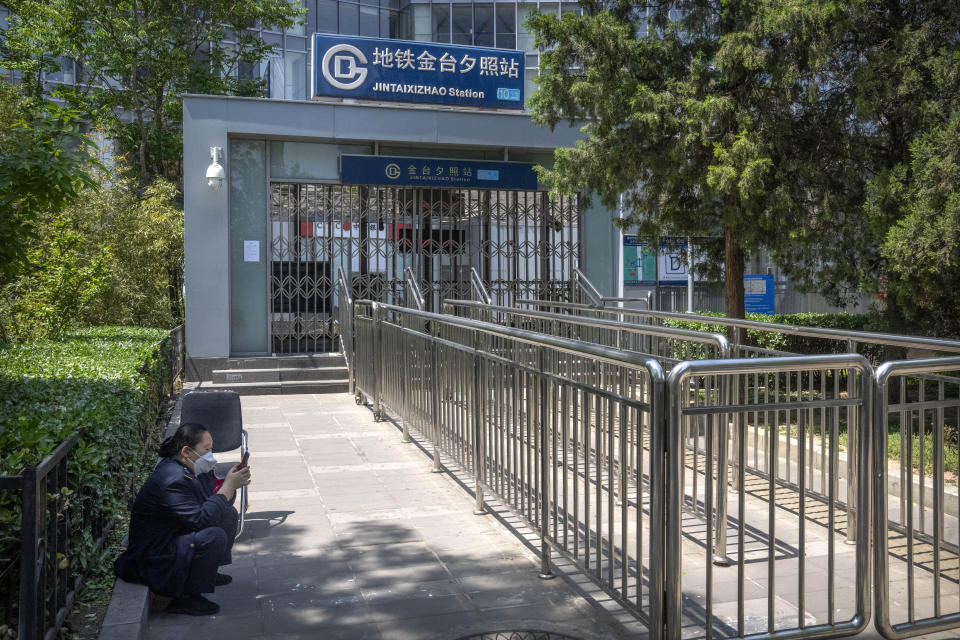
(251, 251)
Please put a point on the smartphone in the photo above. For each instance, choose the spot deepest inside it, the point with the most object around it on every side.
(243, 462)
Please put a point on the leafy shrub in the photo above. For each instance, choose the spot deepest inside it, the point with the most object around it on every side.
(802, 344)
(113, 257)
(104, 382)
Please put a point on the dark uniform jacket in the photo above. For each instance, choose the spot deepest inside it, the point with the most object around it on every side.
(170, 507)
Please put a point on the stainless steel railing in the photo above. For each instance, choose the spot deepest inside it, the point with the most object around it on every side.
(414, 298)
(590, 293)
(917, 559)
(345, 328)
(478, 289)
(667, 344)
(560, 430)
(850, 339)
(786, 542)
(624, 474)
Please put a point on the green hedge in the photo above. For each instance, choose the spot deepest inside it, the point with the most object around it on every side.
(105, 382)
(802, 344)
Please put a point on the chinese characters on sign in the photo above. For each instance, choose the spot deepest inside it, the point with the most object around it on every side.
(393, 70)
(436, 172)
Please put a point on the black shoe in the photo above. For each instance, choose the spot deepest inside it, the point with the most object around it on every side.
(222, 579)
(193, 606)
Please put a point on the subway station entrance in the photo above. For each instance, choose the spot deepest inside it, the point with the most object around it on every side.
(520, 244)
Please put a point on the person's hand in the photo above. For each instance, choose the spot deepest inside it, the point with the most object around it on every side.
(237, 477)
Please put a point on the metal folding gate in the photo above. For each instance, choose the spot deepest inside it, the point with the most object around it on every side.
(520, 243)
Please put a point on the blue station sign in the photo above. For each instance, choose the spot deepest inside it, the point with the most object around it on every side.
(436, 172)
(428, 73)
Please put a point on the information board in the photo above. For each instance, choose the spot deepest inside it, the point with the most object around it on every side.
(758, 294)
(639, 262)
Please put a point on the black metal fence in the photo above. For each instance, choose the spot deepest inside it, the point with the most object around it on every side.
(42, 569)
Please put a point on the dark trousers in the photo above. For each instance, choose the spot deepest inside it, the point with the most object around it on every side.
(212, 548)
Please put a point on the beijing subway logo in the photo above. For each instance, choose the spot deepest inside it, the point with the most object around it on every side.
(392, 171)
(345, 73)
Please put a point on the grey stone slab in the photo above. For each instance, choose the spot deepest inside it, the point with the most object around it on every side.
(286, 616)
(352, 632)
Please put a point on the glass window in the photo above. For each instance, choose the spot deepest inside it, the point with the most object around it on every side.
(524, 37)
(421, 22)
(441, 23)
(483, 25)
(295, 76)
(570, 7)
(274, 76)
(299, 28)
(462, 23)
(349, 19)
(296, 43)
(506, 26)
(326, 16)
(369, 21)
(389, 24)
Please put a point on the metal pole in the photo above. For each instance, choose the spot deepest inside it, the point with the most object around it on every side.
(478, 430)
(853, 467)
(378, 362)
(689, 275)
(30, 561)
(435, 404)
(545, 572)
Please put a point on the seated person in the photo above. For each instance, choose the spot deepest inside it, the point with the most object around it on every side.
(181, 530)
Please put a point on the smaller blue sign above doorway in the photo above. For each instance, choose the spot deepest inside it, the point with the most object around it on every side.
(437, 172)
(427, 73)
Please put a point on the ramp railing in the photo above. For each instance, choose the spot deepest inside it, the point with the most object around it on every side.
(345, 329)
(667, 344)
(478, 289)
(917, 559)
(786, 555)
(518, 411)
(842, 338)
(414, 298)
(625, 473)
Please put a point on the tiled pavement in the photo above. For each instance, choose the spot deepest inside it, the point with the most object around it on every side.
(349, 535)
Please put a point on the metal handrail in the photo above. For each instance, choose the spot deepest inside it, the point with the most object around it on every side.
(601, 301)
(465, 392)
(413, 289)
(922, 369)
(889, 339)
(679, 405)
(587, 287)
(664, 332)
(345, 327)
(478, 288)
(567, 345)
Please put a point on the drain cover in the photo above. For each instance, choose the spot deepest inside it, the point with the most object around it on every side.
(525, 634)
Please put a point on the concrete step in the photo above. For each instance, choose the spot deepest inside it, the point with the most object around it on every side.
(306, 361)
(339, 385)
(286, 374)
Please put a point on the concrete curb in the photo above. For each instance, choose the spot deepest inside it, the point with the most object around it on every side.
(126, 617)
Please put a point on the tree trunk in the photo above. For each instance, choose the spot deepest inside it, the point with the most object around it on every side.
(143, 148)
(733, 285)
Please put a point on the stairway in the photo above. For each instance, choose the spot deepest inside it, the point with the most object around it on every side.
(313, 373)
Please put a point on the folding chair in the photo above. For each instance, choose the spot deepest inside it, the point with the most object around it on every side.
(219, 412)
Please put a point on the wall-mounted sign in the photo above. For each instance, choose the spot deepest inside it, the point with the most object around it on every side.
(758, 294)
(403, 71)
(639, 262)
(436, 172)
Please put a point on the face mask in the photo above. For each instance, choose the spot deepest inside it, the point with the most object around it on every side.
(204, 463)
